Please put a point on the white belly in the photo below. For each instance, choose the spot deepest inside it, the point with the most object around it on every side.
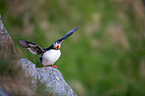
(50, 57)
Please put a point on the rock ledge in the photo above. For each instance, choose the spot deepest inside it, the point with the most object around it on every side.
(46, 81)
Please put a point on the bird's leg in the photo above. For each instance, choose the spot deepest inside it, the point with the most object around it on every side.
(54, 66)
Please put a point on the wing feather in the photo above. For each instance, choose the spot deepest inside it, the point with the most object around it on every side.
(32, 47)
(68, 34)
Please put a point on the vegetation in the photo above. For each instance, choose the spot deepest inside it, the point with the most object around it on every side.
(105, 57)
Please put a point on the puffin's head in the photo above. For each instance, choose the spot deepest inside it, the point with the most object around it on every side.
(56, 45)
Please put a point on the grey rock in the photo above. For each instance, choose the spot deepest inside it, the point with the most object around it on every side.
(3, 92)
(46, 81)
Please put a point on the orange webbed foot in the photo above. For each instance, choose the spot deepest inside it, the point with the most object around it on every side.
(54, 66)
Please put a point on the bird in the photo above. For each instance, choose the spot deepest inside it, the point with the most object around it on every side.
(48, 55)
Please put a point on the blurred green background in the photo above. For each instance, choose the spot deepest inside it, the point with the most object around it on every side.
(105, 57)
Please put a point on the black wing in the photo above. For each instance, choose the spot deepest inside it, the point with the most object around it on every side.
(68, 34)
(32, 47)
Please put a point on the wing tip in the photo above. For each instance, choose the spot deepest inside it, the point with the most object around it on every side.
(19, 40)
(22, 43)
(75, 29)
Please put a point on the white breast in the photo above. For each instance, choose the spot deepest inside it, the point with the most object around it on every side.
(50, 57)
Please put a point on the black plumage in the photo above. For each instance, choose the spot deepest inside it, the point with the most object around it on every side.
(36, 49)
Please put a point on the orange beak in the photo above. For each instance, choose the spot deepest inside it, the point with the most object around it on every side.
(58, 47)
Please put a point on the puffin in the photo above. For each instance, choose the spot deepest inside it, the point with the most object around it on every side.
(48, 55)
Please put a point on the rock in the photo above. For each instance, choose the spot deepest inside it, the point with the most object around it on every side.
(46, 81)
(3, 92)
(11, 81)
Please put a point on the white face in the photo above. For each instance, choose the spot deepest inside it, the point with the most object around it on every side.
(56, 45)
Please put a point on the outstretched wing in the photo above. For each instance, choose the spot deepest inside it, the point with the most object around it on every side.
(68, 34)
(32, 47)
